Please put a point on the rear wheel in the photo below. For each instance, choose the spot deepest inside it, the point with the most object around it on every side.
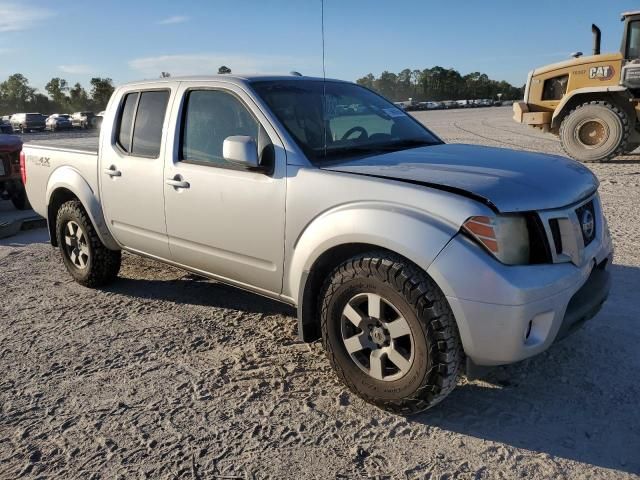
(88, 261)
(389, 333)
(20, 200)
(595, 132)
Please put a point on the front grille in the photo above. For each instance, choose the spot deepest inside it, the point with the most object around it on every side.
(570, 231)
(587, 219)
(555, 233)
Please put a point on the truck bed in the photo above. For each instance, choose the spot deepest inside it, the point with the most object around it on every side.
(48, 166)
(65, 141)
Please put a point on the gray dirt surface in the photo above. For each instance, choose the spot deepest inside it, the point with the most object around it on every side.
(167, 375)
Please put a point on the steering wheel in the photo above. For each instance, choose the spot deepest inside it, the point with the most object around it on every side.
(363, 133)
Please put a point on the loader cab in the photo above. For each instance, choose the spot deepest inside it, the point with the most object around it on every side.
(630, 48)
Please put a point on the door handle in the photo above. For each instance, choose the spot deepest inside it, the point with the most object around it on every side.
(177, 182)
(112, 171)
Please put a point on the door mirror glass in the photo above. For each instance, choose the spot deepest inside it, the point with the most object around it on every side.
(241, 150)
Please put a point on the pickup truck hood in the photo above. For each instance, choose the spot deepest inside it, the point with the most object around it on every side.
(507, 180)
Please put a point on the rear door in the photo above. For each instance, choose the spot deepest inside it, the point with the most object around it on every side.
(131, 171)
(226, 221)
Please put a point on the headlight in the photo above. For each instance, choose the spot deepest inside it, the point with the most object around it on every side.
(504, 236)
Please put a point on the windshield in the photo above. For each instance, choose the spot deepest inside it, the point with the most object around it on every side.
(353, 120)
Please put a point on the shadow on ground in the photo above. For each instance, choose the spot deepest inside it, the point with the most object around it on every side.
(195, 290)
(553, 403)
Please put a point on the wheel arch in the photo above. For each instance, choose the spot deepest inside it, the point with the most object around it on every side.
(616, 95)
(67, 184)
(331, 239)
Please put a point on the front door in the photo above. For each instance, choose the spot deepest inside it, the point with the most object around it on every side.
(131, 173)
(223, 219)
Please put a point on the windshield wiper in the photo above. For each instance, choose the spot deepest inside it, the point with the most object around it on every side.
(407, 143)
(332, 153)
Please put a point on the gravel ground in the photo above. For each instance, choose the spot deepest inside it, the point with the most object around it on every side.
(166, 375)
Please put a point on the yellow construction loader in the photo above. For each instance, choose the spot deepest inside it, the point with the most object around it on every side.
(591, 102)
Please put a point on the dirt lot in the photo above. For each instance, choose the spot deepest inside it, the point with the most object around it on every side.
(164, 375)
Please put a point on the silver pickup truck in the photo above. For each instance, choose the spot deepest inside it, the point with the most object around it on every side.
(411, 259)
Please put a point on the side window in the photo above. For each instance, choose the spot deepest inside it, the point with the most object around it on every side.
(143, 136)
(125, 122)
(147, 132)
(633, 42)
(209, 117)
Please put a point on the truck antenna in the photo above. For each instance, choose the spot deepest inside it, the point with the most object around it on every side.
(324, 84)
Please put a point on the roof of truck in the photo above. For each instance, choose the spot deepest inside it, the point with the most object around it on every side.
(232, 78)
(628, 14)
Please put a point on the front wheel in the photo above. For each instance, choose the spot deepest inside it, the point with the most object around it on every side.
(595, 132)
(389, 333)
(88, 261)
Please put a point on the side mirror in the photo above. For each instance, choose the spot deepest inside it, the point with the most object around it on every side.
(241, 150)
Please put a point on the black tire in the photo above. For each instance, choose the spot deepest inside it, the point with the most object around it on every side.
(101, 265)
(435, 343)
(612, 123)
(20, 200)
(631, 147)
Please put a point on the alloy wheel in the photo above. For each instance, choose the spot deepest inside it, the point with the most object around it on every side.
(377, 337)
(76, 244)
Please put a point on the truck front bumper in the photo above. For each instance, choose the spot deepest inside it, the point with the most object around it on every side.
(508, 313)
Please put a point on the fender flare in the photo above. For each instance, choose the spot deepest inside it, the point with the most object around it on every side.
(560, 109)
(423, 238)
(70, 179)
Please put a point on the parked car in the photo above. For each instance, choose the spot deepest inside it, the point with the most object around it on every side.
(27, 122)
(83, 120)
(59, 121)
(99, 118)
(465, 103)
(11, 186)
(412, 259)
(430, 105)
(5, 126)
(450, 104)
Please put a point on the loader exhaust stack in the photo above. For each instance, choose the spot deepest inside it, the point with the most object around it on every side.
(596, 39)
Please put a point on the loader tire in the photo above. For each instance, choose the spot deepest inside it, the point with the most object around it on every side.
(595, 131)
(631, 146)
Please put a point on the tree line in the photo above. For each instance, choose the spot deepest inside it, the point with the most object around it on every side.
(438, 83)
(16, 95)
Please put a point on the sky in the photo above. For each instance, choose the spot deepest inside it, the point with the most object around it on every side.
(135, 39)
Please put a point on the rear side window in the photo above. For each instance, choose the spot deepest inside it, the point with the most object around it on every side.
(142, 136)
(147, 132)
(125, 123)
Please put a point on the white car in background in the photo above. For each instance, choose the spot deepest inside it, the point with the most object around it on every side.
(58, 121)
